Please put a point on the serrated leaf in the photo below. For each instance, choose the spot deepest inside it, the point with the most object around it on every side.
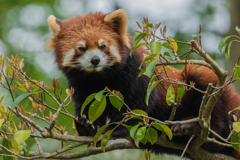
(141, 112)
(21, 136)
(181, 90)
(96, 110)
(115, 101)
(222, 42)
(236, 126)
(150, 67)
(86, 102)
(152, 135)
(133, 130)
(170, 97)
(235, 138)
(155, 47)
(151, 86)
(138, 38)
(98, 134)
(236, 73)
(99, 95)
(19, 99)
(105, 139)
(237, 108)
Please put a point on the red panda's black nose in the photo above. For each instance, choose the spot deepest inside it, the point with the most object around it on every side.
(95, 60)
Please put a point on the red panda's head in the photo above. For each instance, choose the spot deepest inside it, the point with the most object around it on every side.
(90, 42)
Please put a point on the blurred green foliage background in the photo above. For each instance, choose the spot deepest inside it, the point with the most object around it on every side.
(24, 31)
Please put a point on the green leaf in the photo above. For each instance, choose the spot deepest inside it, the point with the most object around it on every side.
(133, 130)
(151, 86)
(133, 117)
(236, 126)
(138, 38)
(21, 136)
(96, 109)
(235, 138)
(167, 130)
(136, 141)
(169, 55)
(99, 95)
(86, 102)
(196, 35)
(237, 72)
(6, 144)
(222, 42)
(150, 25)
(144, 140)
(170, 97)
(143, 71)
(167, 45)
(25, 148)
(105, 138)
(237, 108)
(152, 135)
(8, 70)
(227, 51)
(1, 139)
(155, 47)
(115, 101)
(181, 90)
(141, 133)
(237, 29)
(158, 126)
(152, 56)
(141, 112)
(98, 134)
(19, 99)
(150, 67)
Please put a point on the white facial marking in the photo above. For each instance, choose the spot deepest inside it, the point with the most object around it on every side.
(100, 41)
(82, 43)
(67, 58)
(85, 60)
(115, 53)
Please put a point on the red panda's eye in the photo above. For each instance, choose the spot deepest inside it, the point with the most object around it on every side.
(102, 47)
(81, 49)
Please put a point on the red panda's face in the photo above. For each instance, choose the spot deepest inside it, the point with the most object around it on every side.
(91, 42)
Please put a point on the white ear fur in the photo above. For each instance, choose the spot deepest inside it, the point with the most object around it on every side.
(53, 25)
(118, 20)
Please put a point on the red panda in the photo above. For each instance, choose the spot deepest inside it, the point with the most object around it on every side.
(93, 52)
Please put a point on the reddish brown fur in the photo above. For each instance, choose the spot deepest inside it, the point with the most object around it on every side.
(92, 27)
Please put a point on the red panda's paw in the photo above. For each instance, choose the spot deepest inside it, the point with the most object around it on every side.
(85, 128)
(187, 129)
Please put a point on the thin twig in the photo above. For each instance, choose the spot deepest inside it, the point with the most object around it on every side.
(185, 149)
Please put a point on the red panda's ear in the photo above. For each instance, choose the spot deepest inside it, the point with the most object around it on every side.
(118, 21)
(54, 24)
